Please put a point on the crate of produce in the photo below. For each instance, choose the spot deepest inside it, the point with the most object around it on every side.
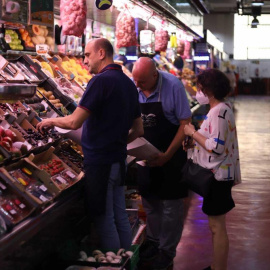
(67, 102)
(102, 259)
(15, 205)
(35, 182)
(29, 69)
(14, 145)
(70, 156)
(61, 174)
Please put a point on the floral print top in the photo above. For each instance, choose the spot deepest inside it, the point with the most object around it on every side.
(222, 154)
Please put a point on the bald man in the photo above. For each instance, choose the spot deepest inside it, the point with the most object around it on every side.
(110, 114)
(165, 111)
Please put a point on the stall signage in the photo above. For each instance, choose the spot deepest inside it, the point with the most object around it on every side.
(41, 12)
(103, 4)
(14, 11)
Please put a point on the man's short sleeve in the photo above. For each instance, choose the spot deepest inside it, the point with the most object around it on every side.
(182, 108)
(92, 97)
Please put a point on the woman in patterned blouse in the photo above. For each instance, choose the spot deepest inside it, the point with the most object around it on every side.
(215, 146)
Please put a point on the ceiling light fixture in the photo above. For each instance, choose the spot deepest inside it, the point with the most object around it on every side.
(254, 22)
(257, 3)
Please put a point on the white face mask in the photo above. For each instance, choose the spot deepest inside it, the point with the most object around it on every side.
(202, 98)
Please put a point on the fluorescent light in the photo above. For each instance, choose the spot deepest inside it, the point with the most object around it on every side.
(182, 4)
(257, 3)
(132, 57)
(201, 58)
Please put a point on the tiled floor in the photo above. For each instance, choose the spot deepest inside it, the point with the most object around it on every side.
(248, 223)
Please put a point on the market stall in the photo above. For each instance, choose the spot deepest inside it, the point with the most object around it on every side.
(41, 174)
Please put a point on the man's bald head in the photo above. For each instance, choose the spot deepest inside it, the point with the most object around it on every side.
(145, 74)
(145, 64)
(98, 54)
(101, 43)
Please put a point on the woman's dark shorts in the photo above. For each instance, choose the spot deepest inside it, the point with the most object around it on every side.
(219, 201)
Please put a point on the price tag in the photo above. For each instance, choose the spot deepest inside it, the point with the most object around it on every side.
(71, 175)
(42, 49)
(13, 212)
(55, 59)
(43, 198)
(61, 180)
(72, 76)
(43, 188)
(45, 59)
(22, 206)
(3, 187)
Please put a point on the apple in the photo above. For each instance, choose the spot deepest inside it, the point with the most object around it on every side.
(11, 134)
(6, 145)
(2, 132)
(7, 139)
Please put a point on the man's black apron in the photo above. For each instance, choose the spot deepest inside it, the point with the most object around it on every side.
(161, 182)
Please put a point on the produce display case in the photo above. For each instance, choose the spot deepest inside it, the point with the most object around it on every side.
(21, 108)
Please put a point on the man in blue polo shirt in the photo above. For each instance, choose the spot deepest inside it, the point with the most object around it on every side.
(165, 111)
(110, 114)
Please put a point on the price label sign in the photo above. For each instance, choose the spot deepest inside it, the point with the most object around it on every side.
(42, 49)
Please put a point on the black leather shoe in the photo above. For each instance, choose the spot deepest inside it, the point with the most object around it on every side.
(162, 262)
(148, 250)
(208, 268)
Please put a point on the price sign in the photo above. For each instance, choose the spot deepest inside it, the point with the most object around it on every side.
(42, 49)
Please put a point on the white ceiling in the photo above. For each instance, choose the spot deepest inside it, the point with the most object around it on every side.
(231, 6)
(213, 6)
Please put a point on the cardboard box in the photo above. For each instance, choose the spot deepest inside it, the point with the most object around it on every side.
(48, 155)
(24, 205)
(37, 174)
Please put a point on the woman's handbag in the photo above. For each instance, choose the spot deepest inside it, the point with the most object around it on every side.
(197, 178)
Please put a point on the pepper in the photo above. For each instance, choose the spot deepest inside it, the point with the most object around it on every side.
(27, 171)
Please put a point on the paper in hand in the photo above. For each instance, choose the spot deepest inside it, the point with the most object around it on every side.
(142, 149)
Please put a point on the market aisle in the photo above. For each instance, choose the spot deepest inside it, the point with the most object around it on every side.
(249, 222)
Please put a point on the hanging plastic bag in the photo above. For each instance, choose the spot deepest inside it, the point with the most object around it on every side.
(161, 40)
(73, 17)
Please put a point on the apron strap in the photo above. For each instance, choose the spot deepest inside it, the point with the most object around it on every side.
(159, 85)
